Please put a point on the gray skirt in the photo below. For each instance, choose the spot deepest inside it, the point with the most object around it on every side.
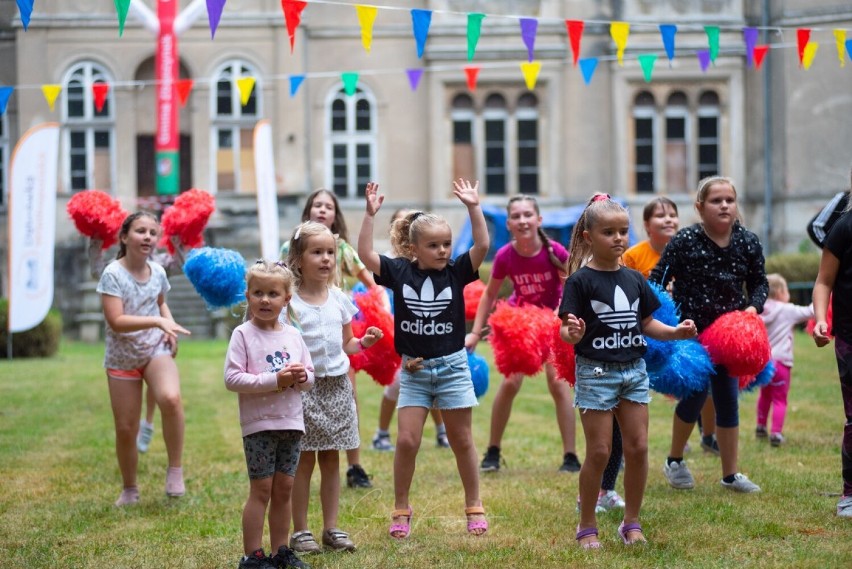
(331, 422)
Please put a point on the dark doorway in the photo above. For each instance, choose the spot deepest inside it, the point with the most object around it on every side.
(146, 170)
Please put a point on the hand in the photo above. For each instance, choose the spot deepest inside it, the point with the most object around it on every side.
(751, 309)
(371, 336)
(413, 365)
(291, 374)
(172, 343)
(685, 330)
(171, 328)
(821, 337)
(573, 329)
(373, 198)
(470, 341)
(469, 195)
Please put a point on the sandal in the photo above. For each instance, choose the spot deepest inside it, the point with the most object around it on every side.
(624, 529)
(588, 532)
(476, 527)
(401, 531)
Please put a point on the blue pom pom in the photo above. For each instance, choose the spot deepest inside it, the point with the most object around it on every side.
(658, 353)
(687, 369)
(218, 275)
(478, 373)
(763, 378)
(668, 312)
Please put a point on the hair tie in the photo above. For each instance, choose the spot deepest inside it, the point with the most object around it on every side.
(415, 215)
(601, 197)
(259, 262)
(298, 232)
(280, 264)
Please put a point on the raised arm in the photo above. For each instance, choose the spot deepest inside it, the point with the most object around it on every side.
(469, 195)
(365, 238)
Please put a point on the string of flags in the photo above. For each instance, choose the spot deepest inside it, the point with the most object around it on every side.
(421, 20)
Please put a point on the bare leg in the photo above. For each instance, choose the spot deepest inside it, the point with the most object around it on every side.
(126, 400)
(163, 379)
(561, 393)
(302, 490)
(501, 410)
(353, 456)
(597, 428)
(329, 463)
(633, 420)
(410, 432)
(386, 411)
(254, 513)
(150, 406)
(280, 510)
(459, 433)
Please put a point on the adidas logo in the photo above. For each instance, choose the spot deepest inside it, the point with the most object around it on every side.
(427, 304)
(621, 315)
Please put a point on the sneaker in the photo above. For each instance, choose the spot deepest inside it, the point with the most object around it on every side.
(570, 463)
(741, 484)
(357, 478)
(760, 432)
(287, 558)
(382, 442)
(174, 482)
(143, 438)
(128, 497)
(844, 507)
(609, 500)
(776, 439)
(710, 444)
(491, 460)
(337, 540)
(598, 508)
(304, 542)
(442, 441)
(257, 560)
(678, 475)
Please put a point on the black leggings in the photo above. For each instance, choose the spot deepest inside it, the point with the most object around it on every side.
(610, 473)
(725, 390)
(843, 351)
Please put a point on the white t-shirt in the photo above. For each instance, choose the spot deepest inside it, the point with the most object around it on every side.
(322, 330)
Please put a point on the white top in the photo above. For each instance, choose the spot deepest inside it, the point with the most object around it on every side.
(322, 330)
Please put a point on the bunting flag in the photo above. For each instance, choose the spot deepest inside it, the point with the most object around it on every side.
(646, 61)
(420, 21)
(50, 93)
(575, 34)
(668, 31)
(750, 38)
(121, 6)
(183, 87)
(849, 48)
(472, 72)
(809, 54)
(99, 92)
(588, 66)
(292, 17)
(474, 29)
(529, 27)
(840, 41)
(803, 36)
(366, 18)
(759, 53)
(713, 41)
(414, 76)
(530, 71)
(295, 83)
(5, 93)
(619, 32)
(350, 82)
(214, 13)
(703, 59)
(246, 86)
(26, 9)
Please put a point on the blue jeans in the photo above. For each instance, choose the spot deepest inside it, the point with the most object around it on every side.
(600, 385)
(443, 383)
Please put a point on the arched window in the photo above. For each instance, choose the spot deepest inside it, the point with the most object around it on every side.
(232, 136)
(495, 118)
(4, 157)
(677, 142)
(88, 147)
(351, 141)
(708, 134)
(644, 111)
(527, 129)
(463, 118)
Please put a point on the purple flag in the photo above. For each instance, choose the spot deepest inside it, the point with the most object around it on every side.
(26, 9)
(703, 59)
(668, 32)
(421, 19)
(414, 76)
(528, 30)
(214, 12)
(5, 93)
(295, 83)
(750, 37)
(587, 66)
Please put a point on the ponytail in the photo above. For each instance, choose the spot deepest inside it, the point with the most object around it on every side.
(580, 250)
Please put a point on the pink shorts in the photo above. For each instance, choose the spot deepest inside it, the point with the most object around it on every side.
(125, 374)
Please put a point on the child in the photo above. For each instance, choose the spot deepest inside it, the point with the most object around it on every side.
(322, 206)
(606, 308)
(268, 364)
(536, 266)
(779, 315)
(429, 335)
(835, 276)
(141, 337)
(712, 262)
(331, 421)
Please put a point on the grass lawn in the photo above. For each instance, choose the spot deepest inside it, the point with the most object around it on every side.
(59, 478)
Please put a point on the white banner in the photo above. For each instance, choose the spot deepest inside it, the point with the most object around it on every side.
(267, 194)
(32, 226)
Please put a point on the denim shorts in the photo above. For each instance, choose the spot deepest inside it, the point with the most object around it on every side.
(443, 383)
(600, 385)
(268, 452)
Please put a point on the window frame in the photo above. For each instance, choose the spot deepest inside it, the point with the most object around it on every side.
(351, 138)
(5, 141)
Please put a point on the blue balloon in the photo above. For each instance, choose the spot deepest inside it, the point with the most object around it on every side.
(478, 373)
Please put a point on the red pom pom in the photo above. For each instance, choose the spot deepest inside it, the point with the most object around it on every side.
(738, 341)
(562, 356)
(97, 215)
(380, 360)
(829, 318)
(520, 337)
(187, 219)
(472, 294)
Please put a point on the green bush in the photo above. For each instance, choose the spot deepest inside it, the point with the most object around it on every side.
(39, 342)
(795, 267)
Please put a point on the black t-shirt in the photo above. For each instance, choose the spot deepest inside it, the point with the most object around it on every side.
(613, 305)
(839, 242)
(822, 222)
(428, 305)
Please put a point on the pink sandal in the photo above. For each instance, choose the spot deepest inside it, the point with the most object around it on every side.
(476, 527)
(588, 532)
(401, 531)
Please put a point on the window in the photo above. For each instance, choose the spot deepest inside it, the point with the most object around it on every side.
(643, 124)
(527, 117)
(351, 142)
(88, 134)
(677, 143)
(4, 157)
(708, 135)
(464, 160)
(232, 137)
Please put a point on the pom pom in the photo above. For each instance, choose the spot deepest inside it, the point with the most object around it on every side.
(668, 312)
(380, 361)
(520, 337)
(97, 215)
(686, 369)
(738, 341)
(749, 383)
(472, 293)
(478, 373)
(218, 275)
(187, 219)
(562, 356)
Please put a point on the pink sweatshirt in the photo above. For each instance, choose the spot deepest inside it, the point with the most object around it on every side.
(780, 317)
(254, 357)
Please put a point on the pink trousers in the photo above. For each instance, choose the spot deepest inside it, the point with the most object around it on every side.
(774, 395)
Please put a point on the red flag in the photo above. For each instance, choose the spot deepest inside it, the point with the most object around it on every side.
(472, 73)
(100, 90)
(759, 52)
(293, 17)
(183, 86)
(575, 34)
(803, 36)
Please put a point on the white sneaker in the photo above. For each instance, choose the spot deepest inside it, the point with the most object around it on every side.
(844, 507)
(678, 475)
(741, 484)
(609, 500)
(143, 438)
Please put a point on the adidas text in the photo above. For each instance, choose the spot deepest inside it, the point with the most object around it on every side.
(619, 340)
(428, 329)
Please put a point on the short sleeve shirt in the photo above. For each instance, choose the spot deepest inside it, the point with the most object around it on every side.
(641, 257)
(322, 330)
(613, 305)
(535, 279)
(839, 242)
(133, 350)
(428, 305)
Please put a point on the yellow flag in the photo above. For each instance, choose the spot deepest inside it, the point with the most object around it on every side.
(840, 40)
(245, 85)
(50, 94)
(810, 51)
(530, 70)
(366, 17)
(619, 32)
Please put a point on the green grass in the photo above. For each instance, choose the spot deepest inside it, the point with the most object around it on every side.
(59, 478)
